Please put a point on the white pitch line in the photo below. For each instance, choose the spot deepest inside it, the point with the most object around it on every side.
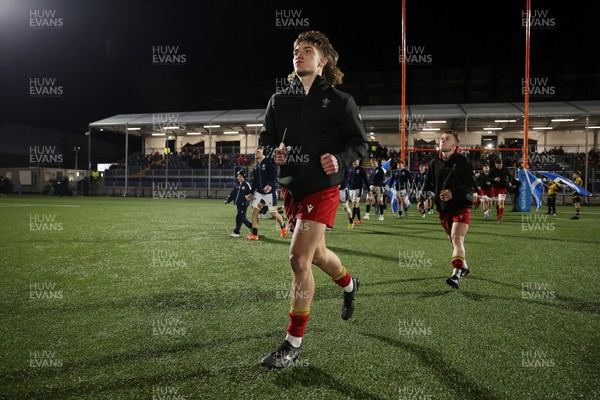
(7, 205)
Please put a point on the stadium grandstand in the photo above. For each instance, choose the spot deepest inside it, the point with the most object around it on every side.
(201, 151)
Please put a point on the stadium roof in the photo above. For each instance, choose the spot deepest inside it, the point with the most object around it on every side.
(575, 116)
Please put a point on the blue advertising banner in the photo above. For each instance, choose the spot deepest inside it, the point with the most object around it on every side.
(524, 192)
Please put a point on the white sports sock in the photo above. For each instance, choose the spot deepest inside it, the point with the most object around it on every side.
(350, 287)
(456, 272)
(294, 340)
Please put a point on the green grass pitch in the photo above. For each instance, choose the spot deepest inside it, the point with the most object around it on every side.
(122, 298)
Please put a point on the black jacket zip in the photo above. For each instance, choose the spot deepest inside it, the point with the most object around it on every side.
(326, 120)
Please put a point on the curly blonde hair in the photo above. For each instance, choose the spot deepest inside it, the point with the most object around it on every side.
(331, 72)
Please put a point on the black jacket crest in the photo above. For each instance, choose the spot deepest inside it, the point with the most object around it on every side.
(326, 120)
(455, 174)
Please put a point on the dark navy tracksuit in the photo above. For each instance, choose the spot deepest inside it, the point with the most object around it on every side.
(238, 196)
(400, 179)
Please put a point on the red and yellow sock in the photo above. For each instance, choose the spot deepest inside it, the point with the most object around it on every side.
(343, 279)
(458, 262)
(298, 320)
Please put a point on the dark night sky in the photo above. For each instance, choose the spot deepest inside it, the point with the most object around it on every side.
(102, 55)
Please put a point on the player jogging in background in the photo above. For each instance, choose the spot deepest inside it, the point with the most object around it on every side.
(345, 197)
(369, 202)
(377, 183)
(576, 197)
(357, 180)
(404, 203)
(450, 177)
(500, 184)
(313, 118)
(484, 184)
(264, 184)
(400, 181)
(418, 182)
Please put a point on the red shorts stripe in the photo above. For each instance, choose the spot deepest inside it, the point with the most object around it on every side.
(448, 218)
(319, 206)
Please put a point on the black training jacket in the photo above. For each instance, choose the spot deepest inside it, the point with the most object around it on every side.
(456, 174)
(484, 181)
(501, 173)
(326, 120)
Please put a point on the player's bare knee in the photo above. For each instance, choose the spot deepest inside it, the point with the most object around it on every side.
(458, 240)
(299, 262)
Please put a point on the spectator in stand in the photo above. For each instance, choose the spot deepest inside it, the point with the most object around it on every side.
(385, 152)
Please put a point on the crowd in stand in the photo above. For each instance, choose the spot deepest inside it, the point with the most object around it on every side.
(192, 159)
(555, 159)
